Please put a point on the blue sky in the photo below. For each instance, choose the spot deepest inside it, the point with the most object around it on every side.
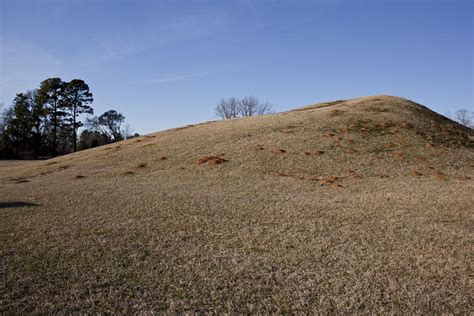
(167, 63)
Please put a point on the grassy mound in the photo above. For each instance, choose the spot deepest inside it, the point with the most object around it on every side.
(361, 205)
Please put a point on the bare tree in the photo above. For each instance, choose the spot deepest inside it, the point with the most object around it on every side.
(109, 124)
(227, 109)
(464, 117)
(248, 106)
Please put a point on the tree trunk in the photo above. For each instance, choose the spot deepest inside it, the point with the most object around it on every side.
(74, 129)
(55, 123)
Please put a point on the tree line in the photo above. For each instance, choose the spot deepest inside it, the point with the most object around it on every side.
(44, 122)
(247, 106)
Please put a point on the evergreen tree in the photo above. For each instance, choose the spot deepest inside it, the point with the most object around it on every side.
(77, 100)
(18, 129)
(50, 96)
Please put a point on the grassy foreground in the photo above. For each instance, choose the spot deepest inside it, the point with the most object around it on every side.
(360, 205)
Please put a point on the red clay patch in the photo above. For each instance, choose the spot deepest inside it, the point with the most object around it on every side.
(329, 180)
(278, 151)
(336, 185)
(211, 160)
(354, 175)
(440, 175)
(318, 152)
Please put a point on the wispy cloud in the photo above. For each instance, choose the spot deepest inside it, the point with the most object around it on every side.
(185, 76)
(23, 66)
(171, 78)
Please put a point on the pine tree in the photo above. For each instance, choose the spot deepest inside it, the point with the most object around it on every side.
(18, 130)
(77, 100)
(50, 95)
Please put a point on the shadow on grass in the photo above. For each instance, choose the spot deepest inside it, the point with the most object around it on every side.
(16, 204)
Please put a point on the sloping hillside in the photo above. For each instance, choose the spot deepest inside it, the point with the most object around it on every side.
(361, 205)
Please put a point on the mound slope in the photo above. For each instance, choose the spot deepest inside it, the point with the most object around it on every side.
(346, 206)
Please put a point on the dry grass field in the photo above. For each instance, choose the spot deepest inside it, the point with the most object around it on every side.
(352, 206)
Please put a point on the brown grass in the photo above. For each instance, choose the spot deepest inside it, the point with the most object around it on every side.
(328, 233)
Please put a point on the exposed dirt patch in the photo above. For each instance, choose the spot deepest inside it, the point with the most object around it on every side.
(353, 175)
(278, 151)
(437, 174)
(329, 180)
(211, 160)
